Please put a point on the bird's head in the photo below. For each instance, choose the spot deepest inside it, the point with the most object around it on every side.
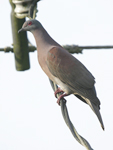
(30, 25)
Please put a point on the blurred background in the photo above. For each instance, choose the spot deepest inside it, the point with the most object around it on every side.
(29, 115)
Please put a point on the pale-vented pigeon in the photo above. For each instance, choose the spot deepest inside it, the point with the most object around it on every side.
(63, 68)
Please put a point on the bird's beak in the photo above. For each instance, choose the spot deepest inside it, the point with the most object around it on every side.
(22, 29)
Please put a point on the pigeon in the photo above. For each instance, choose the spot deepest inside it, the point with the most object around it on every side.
(63, 68)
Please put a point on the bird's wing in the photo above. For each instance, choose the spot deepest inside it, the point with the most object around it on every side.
(73, 73)
(68, 69)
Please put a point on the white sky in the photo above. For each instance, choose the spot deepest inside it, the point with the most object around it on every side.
(30, 119)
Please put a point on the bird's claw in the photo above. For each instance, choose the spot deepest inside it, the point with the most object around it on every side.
(58, 91)
(60, 97)
(58, 101)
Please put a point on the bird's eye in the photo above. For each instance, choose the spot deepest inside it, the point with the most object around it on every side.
(30, 23)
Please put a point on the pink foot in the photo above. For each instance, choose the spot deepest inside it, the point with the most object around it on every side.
(58, 91)
(61, 96)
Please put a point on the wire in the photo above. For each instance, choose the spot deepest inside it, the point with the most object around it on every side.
(65, 114)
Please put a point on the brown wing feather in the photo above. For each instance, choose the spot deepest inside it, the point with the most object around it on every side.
(68, 69)
(73, 73)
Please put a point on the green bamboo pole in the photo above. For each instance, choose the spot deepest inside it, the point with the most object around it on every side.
(20, 43)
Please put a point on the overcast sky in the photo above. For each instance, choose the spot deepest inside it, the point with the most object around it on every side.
(30, 118)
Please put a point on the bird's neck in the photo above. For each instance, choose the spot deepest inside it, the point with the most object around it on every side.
(43, 40)
(44, 43)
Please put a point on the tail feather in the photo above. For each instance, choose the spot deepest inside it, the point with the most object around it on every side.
(95, 109)
(94, 106)
(97, 112)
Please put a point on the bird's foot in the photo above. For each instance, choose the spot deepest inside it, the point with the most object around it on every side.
(61, 96)
(58, 91)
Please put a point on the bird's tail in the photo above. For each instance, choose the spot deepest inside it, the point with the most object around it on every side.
(97, 112)
(94, 106)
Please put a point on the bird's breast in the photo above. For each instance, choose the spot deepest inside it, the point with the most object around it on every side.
(43, 64)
